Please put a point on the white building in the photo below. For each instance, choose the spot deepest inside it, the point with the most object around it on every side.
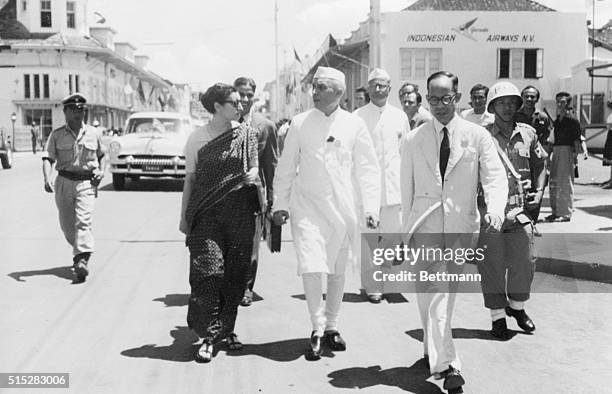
(47, 51)
(480, 41)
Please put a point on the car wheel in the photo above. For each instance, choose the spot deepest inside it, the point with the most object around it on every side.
(7, 159)
(119, 181)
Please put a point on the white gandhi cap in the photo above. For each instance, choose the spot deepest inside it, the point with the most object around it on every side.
(330, 73)
(379, 73)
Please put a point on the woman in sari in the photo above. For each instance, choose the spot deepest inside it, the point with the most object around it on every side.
(221, 196)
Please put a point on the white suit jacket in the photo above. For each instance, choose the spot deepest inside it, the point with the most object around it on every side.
(314, 183)
(473, 158)
(387, 125)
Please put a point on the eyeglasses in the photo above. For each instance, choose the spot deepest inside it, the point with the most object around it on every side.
(379, 86)
(234, 104)
(321, 87)
(446, 99)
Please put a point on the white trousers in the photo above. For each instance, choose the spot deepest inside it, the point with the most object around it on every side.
(324, 315)
(436, 311)
(389, 230)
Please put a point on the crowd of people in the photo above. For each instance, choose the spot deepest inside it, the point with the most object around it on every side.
(402, 174)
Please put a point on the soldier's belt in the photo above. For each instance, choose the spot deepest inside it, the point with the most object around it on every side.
(74, 176)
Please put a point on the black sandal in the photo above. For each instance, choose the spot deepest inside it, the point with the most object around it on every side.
(205, 352)
(233, 343)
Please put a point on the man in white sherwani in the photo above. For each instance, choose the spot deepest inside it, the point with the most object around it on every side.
(326, 147)
(442, 162)
(387, 125)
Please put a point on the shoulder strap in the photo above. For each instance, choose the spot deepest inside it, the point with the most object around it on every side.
(506, 160)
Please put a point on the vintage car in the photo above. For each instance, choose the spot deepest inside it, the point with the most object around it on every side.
(151, 146)
(6, 151)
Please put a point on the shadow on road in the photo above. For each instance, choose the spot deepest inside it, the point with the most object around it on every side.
(171, 300)
(467, 333)
(183, 349)
(599, 210)
(281, 351)
(148, 185)
(391, 298)
(412, 379)
(60, 272)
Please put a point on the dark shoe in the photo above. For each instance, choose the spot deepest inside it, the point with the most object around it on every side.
(550, 218)
(314, 350)
(233, 343)
(500, 329)
(524, 321)
(453, 380)
(375, 298)
(205, 352)
(334, 341)
(81, 271)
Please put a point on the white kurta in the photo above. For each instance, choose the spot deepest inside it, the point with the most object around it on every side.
(314, 183)
(387, 125)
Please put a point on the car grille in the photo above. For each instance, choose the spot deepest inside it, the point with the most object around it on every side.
(140, 161)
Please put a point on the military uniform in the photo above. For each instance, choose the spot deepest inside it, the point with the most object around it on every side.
(511, 250)
(76, 154)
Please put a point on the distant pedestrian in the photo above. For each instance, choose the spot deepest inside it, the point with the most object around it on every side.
(387, 125)
(423, 114)
(325, 147)
(267, 148)
(411, 104)
(543, 126)
(607, 154)
(478, 113)
(361, 97)
(509, 264)
(567, 146)
(77, 152)
(221, 197)
(34, 137)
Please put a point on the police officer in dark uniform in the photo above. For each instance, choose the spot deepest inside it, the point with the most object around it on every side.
(543, 126)
(77, 153)
(509, 264)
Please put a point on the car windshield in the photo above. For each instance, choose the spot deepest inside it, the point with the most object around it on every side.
(151, 125)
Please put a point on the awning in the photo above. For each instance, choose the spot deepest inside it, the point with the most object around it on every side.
(330, 54)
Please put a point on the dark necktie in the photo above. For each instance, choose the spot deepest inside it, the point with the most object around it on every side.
(444, 153)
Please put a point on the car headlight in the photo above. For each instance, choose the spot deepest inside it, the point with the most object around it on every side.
(115, 148)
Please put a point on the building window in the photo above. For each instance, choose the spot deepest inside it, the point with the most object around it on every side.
(46, 85)
(520, 63)
(418, 63)
(73, 83)
(24, 5)
(36, 86)
(26, 86)
(70, 14)
(45, 13)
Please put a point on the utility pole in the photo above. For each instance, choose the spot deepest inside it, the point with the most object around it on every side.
(375, 58)
(591, 112)
(277, 85)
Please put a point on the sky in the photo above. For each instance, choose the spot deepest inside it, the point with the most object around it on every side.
(201, 42)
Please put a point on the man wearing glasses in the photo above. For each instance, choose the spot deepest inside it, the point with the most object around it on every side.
(77, 153)
(268, 157)
(387, 125)
(328, 155)
(441, 164)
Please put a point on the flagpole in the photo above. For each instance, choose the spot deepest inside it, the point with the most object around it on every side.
(592, 65)
(277, 87)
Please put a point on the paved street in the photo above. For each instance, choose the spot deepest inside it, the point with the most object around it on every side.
(124, 330)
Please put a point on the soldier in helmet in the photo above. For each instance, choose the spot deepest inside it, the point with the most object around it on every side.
(76, 152)
(509, 264)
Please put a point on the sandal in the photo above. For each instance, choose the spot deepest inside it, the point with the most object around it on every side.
(233, 343)
(204, 354)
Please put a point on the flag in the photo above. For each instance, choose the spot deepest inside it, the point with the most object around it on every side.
(297, 57)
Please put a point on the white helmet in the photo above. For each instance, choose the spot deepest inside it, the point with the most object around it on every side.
(96, 123)
(503, 89)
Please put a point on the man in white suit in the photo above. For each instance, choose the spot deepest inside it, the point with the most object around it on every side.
(325, 149)
(442, 162)
(387, 125)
